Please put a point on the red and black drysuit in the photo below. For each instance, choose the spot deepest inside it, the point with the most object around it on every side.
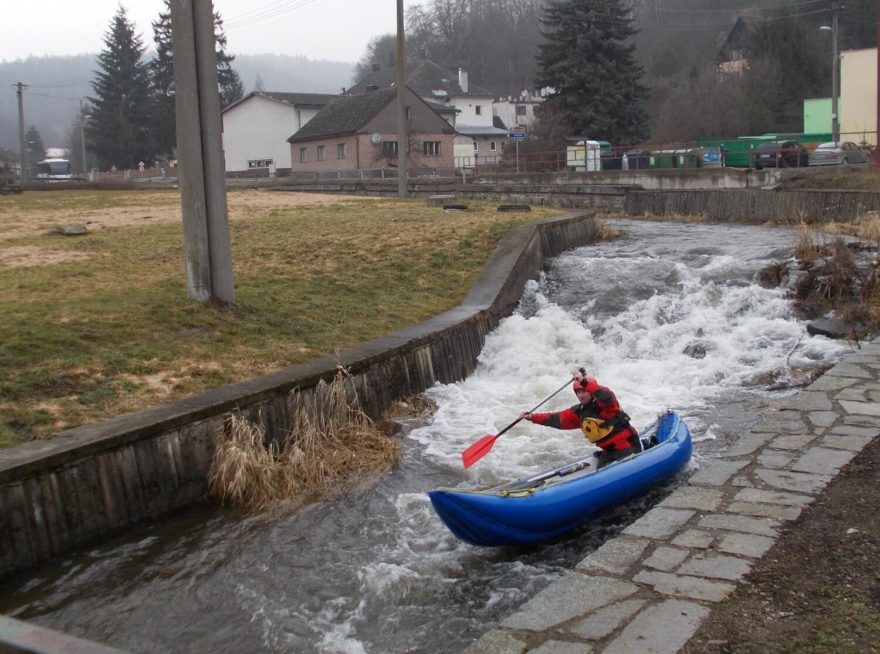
(623, 439)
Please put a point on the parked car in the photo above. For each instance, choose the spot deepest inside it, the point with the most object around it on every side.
(838, 154)
(781, 154)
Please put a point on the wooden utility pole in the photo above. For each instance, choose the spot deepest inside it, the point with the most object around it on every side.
(22, 143)
(202, 175)
(402, 127)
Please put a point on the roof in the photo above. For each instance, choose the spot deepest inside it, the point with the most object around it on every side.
(427, 78)
(467, 130)
(293, 99)
(345, 114)
(737, 37)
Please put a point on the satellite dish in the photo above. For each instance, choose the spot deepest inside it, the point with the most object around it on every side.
(376, 138)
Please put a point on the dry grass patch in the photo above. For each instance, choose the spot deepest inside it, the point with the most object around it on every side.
(100, 325)
(331, 447)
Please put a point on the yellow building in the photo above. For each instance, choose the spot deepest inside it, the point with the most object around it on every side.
(858, 96)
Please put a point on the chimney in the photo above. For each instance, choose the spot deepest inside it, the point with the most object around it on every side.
(462, 80)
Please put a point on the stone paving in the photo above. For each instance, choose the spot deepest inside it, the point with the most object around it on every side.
(648, 590)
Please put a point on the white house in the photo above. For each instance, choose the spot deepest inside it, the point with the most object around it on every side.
(256, 128)
(518, 111)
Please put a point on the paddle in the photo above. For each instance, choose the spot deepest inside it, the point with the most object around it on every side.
(481, 448)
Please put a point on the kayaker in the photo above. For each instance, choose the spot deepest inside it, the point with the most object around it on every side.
(599, 416)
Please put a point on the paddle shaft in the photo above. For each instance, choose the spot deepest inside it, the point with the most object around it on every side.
(538, 405)
(481, 448)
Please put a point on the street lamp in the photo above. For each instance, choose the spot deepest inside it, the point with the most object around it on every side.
(83, 116)
(835, 64)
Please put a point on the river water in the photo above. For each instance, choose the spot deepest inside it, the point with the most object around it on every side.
(376, 571)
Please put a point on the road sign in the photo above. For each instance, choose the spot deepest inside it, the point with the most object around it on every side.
(516, 135)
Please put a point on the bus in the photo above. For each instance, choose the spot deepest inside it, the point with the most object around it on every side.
(52, 169)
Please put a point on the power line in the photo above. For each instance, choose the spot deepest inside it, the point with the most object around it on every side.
(273, 10)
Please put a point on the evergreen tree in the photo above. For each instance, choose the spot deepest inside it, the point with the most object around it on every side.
(36, 149)
(119, 132)
(231, 88)
(588, 58)
(162, 78)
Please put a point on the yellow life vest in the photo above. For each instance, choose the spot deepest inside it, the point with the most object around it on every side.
(593, 429)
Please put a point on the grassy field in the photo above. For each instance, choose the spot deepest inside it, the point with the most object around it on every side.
(97, 325)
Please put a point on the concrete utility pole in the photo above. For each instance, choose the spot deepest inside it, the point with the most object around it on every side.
(402, 127)
(22, 143)
(202, 174)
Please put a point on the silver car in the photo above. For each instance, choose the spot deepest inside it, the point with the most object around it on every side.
(838, 154)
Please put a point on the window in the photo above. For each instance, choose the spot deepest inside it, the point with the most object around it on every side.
(341, 150)
(259, 163)
(492, 146)
(520, 110)
(322, 155)
(478, 109)
(389, 148)
(431, 148)
(409, 114)
(303, 155)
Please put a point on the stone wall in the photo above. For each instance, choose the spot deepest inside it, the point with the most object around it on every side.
(89, 482)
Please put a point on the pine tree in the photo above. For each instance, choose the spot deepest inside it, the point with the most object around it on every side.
(588, 58)
(36, 149)
(162, 88)
(231, 88)
(119, 132)
(162, 69)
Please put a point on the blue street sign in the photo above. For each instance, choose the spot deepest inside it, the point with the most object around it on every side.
(516, 135)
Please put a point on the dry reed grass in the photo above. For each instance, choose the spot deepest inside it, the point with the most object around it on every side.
(418, 406)
(331, 447)
(604, 231)
(805, 247)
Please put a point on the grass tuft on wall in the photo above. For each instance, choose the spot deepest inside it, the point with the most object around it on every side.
(331, 447)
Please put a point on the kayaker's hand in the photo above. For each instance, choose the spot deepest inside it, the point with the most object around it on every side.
(525, 415)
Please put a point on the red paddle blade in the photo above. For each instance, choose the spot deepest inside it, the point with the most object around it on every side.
(478, 450)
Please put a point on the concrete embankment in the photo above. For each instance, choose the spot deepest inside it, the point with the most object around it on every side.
(649, 589)
(731, 195)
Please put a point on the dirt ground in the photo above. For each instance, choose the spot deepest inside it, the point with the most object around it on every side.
(137, 209)
(818, 589)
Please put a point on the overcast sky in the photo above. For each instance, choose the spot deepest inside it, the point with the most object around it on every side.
(318, 29)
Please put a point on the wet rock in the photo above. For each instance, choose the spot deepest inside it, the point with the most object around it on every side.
(773, 276)
(834, 328)
(695, 351)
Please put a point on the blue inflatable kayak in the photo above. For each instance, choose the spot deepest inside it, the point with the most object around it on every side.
(543, 506)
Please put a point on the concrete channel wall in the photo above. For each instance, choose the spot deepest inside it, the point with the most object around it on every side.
(757, 206)
(89, 482)
(740, 196)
